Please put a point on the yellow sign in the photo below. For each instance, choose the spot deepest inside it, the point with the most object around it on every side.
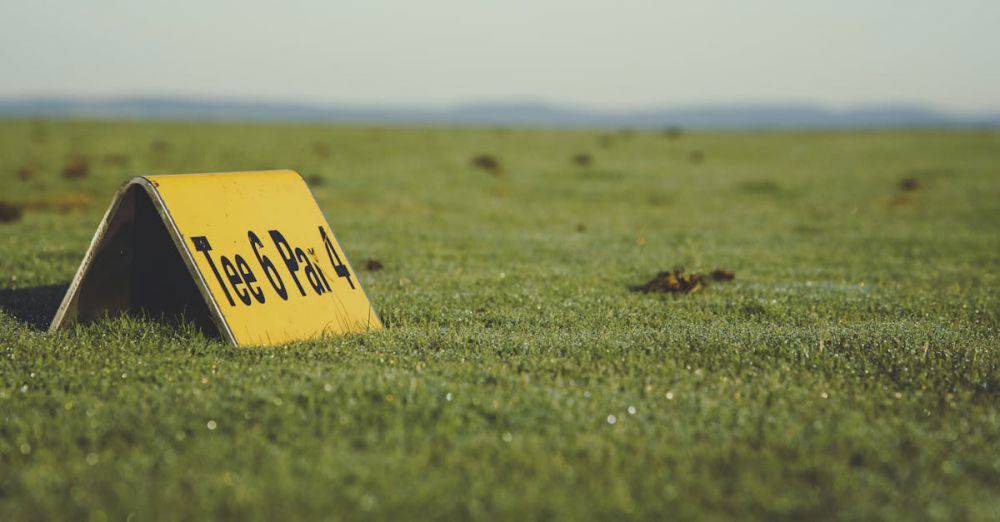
(250, 250)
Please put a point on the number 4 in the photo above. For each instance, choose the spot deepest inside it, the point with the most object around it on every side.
(338, 265)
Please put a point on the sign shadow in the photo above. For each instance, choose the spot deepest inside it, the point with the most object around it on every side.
(34, 306)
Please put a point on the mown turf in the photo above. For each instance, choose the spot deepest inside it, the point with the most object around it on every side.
(850, 371)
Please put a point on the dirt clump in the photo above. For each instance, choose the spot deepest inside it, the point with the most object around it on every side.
(907, 187)
(583, 159)
(25, 174)
(909, 184)
(159, 146)
(721, 275)
(696, 157)
(77, 168)
(373, 265)
(673, 132)
(10, 213)
(488, 163)
(679, 281)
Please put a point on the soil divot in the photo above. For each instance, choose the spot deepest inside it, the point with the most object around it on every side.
(909, 184)
(10, 213)
(678, 281)
(488, 163)
(76, 169)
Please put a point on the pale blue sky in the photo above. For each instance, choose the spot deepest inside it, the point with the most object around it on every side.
(605, 55)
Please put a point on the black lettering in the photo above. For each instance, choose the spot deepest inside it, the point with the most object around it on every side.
(202, 245)
(319, 271)
(234, 279)
(247, 275)
(310, 272)
(338, 266)
(269, 269)
(288, 257)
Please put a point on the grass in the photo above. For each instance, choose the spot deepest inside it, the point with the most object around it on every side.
(850, 371)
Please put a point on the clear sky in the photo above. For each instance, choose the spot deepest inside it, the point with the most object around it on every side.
(603, 55)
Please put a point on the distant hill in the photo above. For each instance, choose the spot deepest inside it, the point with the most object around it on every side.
(507, 114)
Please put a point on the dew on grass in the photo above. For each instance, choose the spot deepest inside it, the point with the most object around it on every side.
(612, 419)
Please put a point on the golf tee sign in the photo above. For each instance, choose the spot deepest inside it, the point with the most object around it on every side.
(248, 255)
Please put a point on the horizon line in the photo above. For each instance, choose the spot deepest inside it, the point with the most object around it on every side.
(524, 102)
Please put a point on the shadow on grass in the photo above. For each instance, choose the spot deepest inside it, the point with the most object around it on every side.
(34, 306)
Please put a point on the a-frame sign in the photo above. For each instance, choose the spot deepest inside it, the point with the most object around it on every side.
(248, 255)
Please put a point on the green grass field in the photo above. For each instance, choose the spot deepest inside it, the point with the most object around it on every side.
(850, 371)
